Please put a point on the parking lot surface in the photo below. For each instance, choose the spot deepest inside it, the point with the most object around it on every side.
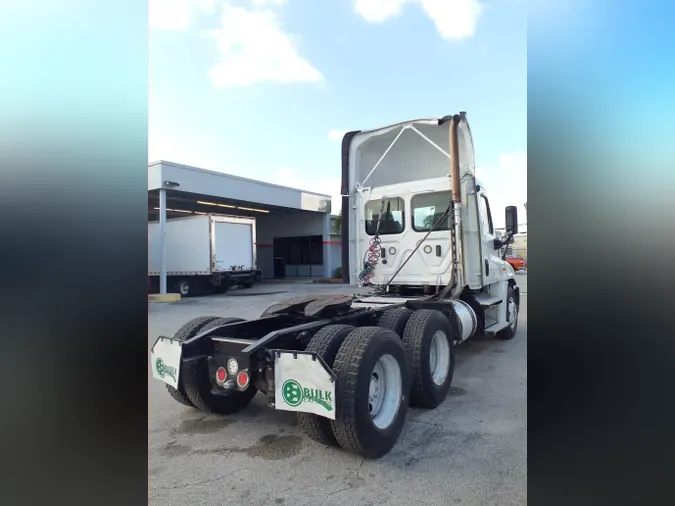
(470, 450)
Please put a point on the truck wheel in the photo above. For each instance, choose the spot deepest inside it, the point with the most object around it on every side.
(223, 288)
(221, 321)
(428, 341)
(234, 403)
(248, 284)
(395, 319)
(325, 343)
(198, 385)
(185, 287)
(371, 398)
(198, 390)
(512, 315)
(190, 329)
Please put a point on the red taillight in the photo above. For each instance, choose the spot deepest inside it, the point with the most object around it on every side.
(221, 374)
(242, 379)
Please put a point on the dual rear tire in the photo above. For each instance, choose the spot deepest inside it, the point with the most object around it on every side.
(194, 385)
(372, 388)
(428, 341)
(380, 371)
(406, 360)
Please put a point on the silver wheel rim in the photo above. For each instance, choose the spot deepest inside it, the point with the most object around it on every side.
(385, 391)
(439, 357)
(184, 288)
(513, 313)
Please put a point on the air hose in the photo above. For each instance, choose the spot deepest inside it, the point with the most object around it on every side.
(371, 259)
(373, 253)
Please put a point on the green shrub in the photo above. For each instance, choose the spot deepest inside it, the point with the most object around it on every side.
(338, 272)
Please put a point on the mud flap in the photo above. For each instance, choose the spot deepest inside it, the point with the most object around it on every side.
(303, 383)
(165, 358)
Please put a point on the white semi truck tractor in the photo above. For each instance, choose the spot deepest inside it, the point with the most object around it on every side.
(421, 224)
(420, 243)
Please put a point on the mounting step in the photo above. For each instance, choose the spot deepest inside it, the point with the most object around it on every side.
(489, 301)
(495, 327)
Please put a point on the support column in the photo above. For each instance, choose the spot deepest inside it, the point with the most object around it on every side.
(327, 262)
(162, 242)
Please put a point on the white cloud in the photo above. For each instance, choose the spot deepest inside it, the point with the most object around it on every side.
(506, 185)
(253, 48)
(336, 135)
(174, 15)
(454, 19)
(377, 11)
(515, 164)
(206, 6)
(325, 185)
(481, 175)
(169, 14)
(268, 3)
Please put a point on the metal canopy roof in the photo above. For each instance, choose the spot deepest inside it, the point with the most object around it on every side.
(200, 189)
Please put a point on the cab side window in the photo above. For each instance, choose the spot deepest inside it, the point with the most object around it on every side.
(485, 215)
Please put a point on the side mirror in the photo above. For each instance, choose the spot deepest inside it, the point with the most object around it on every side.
(512, 219)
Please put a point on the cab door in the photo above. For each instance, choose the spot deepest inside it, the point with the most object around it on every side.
(491, 261)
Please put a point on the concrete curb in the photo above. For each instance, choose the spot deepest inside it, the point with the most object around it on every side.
(167, 297)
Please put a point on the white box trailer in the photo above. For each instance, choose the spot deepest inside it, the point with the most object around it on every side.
(205, 252)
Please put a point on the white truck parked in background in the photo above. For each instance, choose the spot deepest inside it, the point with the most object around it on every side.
(205, 252)
(418, 232)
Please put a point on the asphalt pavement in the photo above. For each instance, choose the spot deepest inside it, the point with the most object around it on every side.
(471, 450)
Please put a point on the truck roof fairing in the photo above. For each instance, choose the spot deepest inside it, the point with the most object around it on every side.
(406, 151)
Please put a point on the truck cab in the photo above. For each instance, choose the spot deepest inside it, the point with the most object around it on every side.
(392, 219)
(420, 223)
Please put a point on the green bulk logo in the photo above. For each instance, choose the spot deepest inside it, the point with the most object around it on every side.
(294, 395)
(165, 370)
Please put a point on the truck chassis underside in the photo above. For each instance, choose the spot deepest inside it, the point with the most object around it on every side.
(299, 352)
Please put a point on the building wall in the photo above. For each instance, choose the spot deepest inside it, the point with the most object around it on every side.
(335, 245)
(298, 224)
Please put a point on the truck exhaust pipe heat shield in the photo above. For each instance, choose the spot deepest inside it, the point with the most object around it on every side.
(454, 160)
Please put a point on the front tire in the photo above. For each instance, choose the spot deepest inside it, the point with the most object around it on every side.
(326, 343)
(371, 398)
(512, 308)
(428, 341)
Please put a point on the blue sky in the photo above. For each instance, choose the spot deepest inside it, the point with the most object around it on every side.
(265, 88)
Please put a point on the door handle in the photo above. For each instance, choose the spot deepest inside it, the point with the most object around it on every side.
(487, 268)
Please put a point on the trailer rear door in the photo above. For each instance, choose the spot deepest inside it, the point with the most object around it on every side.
(233, 246)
